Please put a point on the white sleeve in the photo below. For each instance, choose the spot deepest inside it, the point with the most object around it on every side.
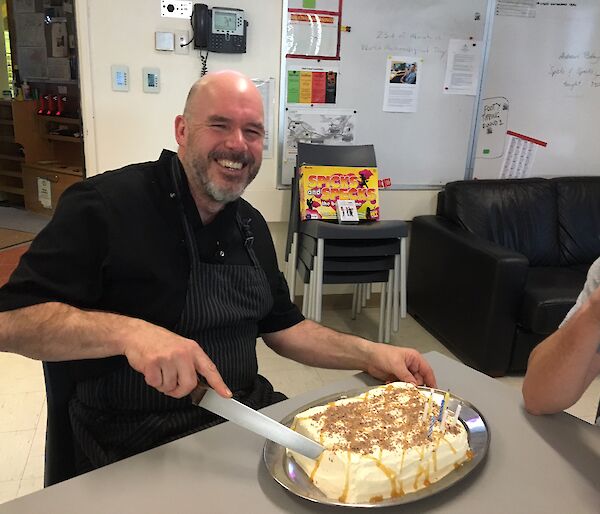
(591, 284)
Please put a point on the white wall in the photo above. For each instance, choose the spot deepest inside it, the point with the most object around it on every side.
(121, 128)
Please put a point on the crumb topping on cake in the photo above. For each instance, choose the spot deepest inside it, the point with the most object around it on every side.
(384, 418)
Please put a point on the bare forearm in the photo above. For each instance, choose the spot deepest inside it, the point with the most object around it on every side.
(315, 345)
(56, 331)
(562, 366)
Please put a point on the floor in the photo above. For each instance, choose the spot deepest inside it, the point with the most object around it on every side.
(23, 403)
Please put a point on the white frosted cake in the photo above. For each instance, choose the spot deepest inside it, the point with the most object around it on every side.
(381, 444)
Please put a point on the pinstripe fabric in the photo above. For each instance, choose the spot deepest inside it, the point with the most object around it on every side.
(118, 415)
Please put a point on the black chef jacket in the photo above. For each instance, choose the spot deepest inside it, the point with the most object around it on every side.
(116, 243)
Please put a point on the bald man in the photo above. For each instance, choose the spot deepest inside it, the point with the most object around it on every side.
(153, 274)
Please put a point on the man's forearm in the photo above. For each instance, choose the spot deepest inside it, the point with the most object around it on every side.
(56, 331)
(315, 345)
(562, 366)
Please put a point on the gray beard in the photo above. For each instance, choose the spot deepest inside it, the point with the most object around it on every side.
(213, 191)
(219, 195)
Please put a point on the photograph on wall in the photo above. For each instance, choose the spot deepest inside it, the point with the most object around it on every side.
(402, 79)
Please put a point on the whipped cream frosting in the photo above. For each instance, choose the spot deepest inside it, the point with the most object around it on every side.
(379, 444)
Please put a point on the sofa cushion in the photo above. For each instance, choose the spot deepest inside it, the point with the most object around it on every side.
(548, 295)
(519, 214)
(578, 200)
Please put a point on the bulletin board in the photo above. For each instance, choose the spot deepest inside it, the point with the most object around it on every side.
(543, 81)
(420, 149)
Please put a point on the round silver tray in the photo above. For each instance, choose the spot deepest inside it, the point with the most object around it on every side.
(292, 477)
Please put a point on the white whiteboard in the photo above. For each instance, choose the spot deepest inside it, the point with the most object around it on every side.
(428, 147)
(548, 69)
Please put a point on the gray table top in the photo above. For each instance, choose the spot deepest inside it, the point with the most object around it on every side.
(534, 464)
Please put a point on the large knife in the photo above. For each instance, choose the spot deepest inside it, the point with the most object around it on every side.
(255, 421)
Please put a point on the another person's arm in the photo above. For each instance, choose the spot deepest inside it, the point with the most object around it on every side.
(312, 344)
(562, 366)
(55, 331)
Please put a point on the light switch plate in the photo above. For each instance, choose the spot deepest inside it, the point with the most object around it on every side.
(120, 77)
(164, 41)
(151, 80)
(175, 9)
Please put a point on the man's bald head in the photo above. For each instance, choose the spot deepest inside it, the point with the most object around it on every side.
(225, 82)
(220, 136)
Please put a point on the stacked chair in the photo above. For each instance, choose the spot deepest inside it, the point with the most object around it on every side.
(324, 252)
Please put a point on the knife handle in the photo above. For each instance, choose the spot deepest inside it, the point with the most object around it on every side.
(200, 390)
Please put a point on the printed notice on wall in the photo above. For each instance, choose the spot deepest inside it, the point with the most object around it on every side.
(463, 67)
(312, 35)
(44, 188)
(402, 80)
(315, 85)
(518, 160)
(266, 89)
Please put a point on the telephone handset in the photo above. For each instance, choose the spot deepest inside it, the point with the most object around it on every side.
(220, 29)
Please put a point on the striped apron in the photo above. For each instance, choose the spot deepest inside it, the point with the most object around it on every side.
(118, 415)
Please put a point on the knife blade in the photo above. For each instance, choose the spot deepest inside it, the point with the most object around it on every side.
(256, 422)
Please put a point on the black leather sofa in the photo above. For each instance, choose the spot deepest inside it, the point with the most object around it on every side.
(501, 263)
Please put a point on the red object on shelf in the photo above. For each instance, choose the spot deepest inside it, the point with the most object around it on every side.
(42, 104)
(50, 104)
(60, 109)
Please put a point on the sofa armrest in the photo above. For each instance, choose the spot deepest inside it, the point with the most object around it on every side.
(466, 290)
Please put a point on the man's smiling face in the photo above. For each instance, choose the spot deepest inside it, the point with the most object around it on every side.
(221, 137)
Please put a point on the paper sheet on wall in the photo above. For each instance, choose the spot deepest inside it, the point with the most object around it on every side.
(267, 90)
(31, 29)
(463, 67)
(317, 125)
(33, 61)
(20, 6)
(44, 188)
(312, 85)
(492, 127)
(519, 157)
(314, 35)
(403, 76)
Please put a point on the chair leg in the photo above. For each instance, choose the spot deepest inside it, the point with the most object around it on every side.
(369, 291)
(305, 301)
(381, 313)
(388, 315)
(363, 299)
(403, 277)
(291, 269)
(354, 300)
(395, 309)
(359, 298)
(312, 291)
(319, 280)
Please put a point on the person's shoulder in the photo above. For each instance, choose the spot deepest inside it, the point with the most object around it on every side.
(131, 175)
(594, 271)
(247, 210)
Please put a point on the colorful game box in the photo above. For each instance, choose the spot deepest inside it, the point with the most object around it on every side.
(322, 186)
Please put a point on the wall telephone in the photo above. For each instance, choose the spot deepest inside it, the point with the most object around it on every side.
(220, 29)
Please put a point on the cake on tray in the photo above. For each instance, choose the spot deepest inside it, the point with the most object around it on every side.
(390, 441)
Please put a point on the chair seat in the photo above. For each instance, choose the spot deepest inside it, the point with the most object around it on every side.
(549, 294)
(353, 263)
(344, 277)
(354, 247)
(363, 230)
